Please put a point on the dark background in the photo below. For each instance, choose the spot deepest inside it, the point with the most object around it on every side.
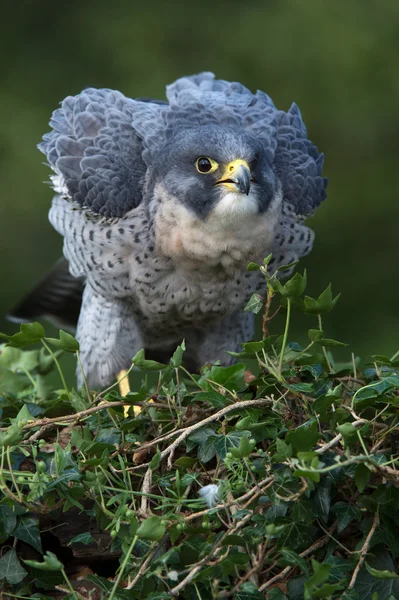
(338, 60)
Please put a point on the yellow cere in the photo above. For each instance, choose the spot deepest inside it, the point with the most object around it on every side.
(232, 168)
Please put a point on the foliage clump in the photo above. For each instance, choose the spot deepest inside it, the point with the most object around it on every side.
(280, 481)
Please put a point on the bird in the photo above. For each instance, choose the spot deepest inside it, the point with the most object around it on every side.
(162, 205)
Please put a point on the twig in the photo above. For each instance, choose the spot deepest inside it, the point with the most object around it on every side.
(75, 417)
(266, 319)
(169, 451)
(365, 548)
(338, 437)
(146, 489)
(317, 544)
(193, 572)
(145, 564)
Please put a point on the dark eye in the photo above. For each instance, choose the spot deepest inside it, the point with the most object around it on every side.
(206, 165)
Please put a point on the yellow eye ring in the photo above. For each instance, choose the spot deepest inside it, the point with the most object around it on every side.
(206, 165)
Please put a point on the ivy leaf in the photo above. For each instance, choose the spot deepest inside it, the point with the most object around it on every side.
(283, 451)
(293, 288)
(248, 591)
(214, 398)
(12, 435)
(82, 538)
(346, 513)
(65, 342)
(348, 432)
(381, 574)
(252, 266)
(320, 575)
(156, 459)
(231, 378)
(368, 585)
(315, 335)
(324, 303)
(152, 529)
(29, 333)
(50, 563)
(146, 365)
(177, 357)
(255, 304)
(11, 569)
(304, 437)
(236, 442)
(293, 559)
(28, 531)
(276, 594)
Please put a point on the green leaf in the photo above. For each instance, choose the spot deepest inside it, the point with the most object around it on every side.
(50, 563)
(177, 358)
(367, 584)
(29, 333)
(348, 432)
(276, 594)
(213, 398)
(82, 538)
(327, 342)
(229, 444)
(156, 459)
(12, 436)
(234, 540)
(8, 519)
(236, 442)
(17, 360)
(231, 378)
(304, 437)
(362, 476)
(283, 451)
(23, 415)
(11, 569)
(255, 304)
(253, 347)
(252, 266)
(249, 592)
(321, 573)
(293, 559)
(293, 288)
(315, 335)
(146, 365)
(151, 529)
(28, 531)
(65, 342)
(346, 513)
(324, 303)
(381, 574)
(186, 462)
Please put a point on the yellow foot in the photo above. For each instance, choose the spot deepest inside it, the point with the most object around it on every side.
(124, 389)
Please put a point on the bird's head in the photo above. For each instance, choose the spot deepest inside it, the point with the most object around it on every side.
(216, 171)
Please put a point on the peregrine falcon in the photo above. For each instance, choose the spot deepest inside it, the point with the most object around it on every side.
(162, 205)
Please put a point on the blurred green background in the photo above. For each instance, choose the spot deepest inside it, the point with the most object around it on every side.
(338, 60)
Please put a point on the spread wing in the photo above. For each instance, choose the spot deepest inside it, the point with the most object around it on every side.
(96, 153)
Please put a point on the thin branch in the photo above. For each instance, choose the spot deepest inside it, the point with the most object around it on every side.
(169, 451)
(364, 550)
(317, 544)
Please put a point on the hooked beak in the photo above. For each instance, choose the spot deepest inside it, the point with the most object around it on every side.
(237, 177)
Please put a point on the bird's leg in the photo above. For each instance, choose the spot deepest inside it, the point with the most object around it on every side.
(123, 381)
(124, 389)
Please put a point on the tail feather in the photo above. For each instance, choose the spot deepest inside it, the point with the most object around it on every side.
(57, 297)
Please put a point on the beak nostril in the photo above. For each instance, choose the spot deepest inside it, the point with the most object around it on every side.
(231, 169)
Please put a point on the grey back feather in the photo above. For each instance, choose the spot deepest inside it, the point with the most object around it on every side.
(102, 143)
